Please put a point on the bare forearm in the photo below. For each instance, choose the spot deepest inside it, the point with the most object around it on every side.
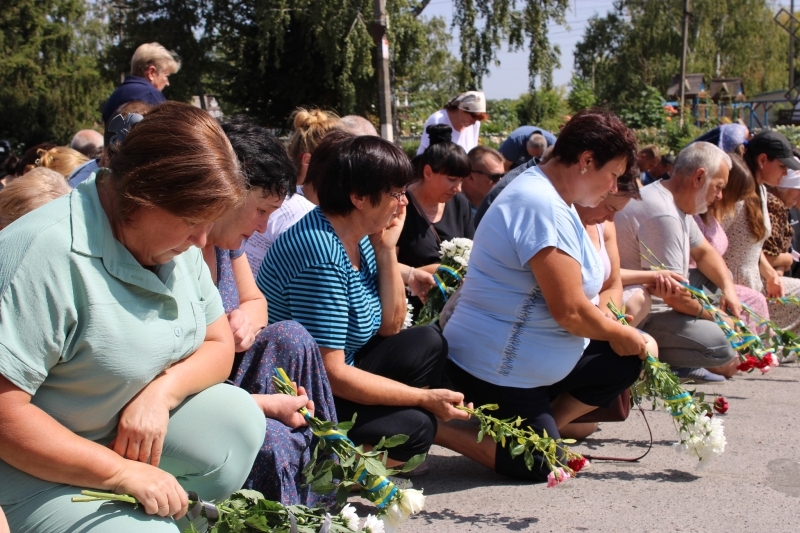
(391, 291)
(585, 320)
(765, 268)
(210, 365)
(637, 277)
(714, 268)
(363, 387)
(35, 443)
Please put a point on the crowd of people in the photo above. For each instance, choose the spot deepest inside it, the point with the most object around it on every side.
(152, 279)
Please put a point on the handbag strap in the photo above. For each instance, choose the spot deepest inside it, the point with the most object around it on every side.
(626, 459)
(423, 215)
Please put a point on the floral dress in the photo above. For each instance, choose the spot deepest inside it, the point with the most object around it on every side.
(742, 257)
(277, 471)
(716, 236)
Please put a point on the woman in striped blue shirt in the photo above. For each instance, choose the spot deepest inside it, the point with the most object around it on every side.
(336, 273)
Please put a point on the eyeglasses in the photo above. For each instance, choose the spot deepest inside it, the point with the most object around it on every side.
(493, 177)
(397, 195)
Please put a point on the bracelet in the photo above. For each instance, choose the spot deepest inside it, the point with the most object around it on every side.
(410, 271)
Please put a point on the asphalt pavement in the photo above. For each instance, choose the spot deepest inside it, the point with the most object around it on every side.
(754, 486)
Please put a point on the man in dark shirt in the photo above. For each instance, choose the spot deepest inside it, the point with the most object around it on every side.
(497, 189)
(524, 144)
(151, 67)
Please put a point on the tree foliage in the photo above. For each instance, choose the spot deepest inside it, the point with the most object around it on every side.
(638, 44)
(51, 86)
(484, 24)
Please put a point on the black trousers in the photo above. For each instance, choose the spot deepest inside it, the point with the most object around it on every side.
(599, 376)
(415, 357)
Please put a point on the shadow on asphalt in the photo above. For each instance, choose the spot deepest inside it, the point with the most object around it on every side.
(478, 519)
(669, 476)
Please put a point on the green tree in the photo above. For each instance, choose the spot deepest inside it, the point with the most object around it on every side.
(639, 44)
(581, 96)
(645, 111)
(51, 82)
(484, 24)
(543, 107)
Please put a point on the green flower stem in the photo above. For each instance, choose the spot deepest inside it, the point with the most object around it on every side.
(521, 441)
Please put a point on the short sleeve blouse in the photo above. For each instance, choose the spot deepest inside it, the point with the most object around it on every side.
(502, 330)
(307, 276)
(83, 326)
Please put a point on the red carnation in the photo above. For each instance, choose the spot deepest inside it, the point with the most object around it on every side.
(721, 405)
(577, 464)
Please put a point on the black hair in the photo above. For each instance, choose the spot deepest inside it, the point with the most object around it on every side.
(443, 155)
(344, 164)
(265, 162)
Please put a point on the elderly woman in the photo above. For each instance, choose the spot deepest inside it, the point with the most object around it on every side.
(277, 472)
(336, 273)
(463, 114)
(519, 336)
(115, 344)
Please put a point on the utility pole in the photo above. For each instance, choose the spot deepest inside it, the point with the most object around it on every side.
(791, 45)
(683, 55)
(379, 27)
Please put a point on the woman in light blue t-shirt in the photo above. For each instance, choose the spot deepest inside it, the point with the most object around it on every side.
(519, 336)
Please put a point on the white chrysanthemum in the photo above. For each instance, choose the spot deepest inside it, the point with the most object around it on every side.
(703, 438)
(373, 525)
(408, 321)
(350, 516)
(412, 501)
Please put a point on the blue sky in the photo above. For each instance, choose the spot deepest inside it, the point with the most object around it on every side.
(510, 79)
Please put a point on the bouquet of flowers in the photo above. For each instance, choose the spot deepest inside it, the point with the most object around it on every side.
(448, 278)
(781, 341)
(700, 434)
(525, 442)
(246, 511)
(357, 467)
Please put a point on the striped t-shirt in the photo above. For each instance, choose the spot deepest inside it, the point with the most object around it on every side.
(307, 276)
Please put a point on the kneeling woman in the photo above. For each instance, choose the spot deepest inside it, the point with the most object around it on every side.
(270, 174)
(336, 273)
(115, 344)
(519, 335)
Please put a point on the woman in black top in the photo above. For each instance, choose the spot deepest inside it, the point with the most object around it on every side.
(436, 211)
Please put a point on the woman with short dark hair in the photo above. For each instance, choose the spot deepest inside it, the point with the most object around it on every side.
(114, 340)
(336, 273)
(519, 336)
(261, 349)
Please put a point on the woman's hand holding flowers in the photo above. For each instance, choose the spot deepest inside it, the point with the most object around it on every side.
(283, 407)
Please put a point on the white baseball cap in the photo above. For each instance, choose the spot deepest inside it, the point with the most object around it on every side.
(791, 180)
(470, 101)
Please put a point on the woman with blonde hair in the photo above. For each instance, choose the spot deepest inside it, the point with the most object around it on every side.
(62, 159)
(29, 192)
(310, 127)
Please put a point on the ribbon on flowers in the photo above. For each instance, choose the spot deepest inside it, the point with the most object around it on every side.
(682, 399)
(440, 282)
(786, 300)
(380, 489)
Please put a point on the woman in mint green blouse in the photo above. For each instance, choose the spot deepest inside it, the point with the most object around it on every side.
(114, 343)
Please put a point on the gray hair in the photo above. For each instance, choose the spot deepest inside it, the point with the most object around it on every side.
(87, 142)
(537, 141)
(701, 155)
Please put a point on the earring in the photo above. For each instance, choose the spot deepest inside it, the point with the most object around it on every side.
(583, 170)
(761, 167)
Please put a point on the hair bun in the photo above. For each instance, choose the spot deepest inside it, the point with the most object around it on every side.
(308, 118)
(439, 133)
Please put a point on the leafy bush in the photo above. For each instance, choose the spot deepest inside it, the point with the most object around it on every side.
(581, 96)
(645, 110)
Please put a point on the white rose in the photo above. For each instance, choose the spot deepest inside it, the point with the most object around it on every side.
(373, 525)
(350, 516)
(393, 516)
(412, 501)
